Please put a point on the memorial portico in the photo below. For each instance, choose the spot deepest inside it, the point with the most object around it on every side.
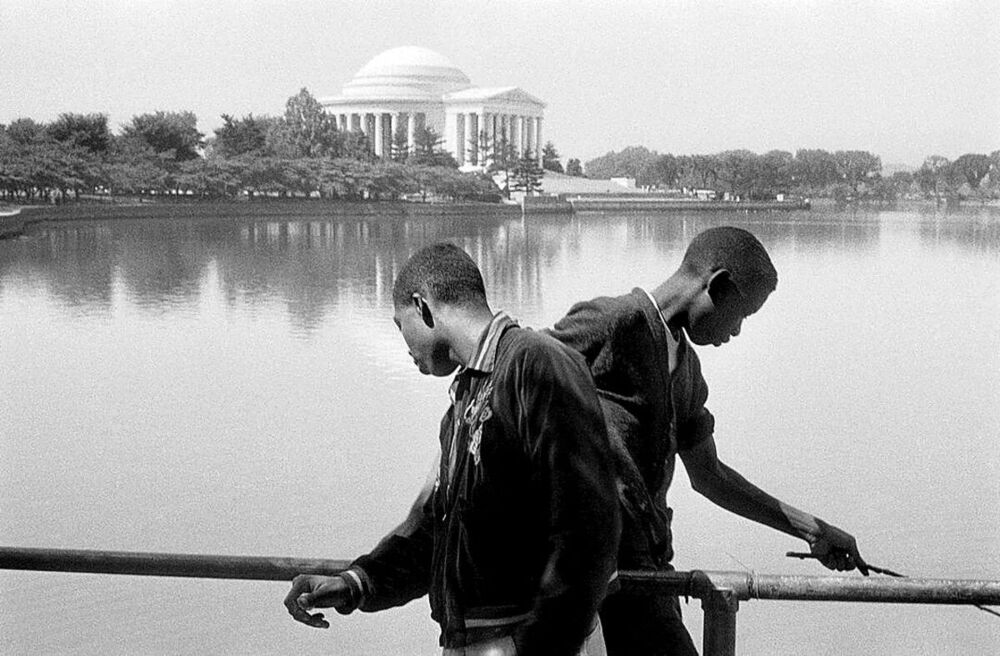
(404, 89)
(487, 119)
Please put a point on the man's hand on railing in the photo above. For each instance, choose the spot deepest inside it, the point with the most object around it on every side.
(837, 549)
(314, 591)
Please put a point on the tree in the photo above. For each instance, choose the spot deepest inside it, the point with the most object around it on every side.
(135, 168)
(399, 149)
(814, 169)
(26, 131)
(428, 149)
(934, 177)
(172, 134)
(973, 168)
(527, 175)
(902, 182)
(484, 147)
(701, 170)
(993, 178)
(574, 168)
(776, 171)
(242, 136)
(856, 167)
(357, 146)
(83, 141)
(502, 159)
(211, 177)
(305, 130)
(629, 163)
(87, 131)
(550, 158)
(663, 170)
(738, 169)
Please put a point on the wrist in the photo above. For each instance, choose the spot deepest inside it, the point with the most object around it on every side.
(803, 524)
(357, 586)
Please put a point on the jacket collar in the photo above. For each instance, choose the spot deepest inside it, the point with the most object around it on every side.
(484, 358)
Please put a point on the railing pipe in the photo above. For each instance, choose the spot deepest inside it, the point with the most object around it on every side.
(261, 568)
(720, 592)
(719, 633)
(747, 585)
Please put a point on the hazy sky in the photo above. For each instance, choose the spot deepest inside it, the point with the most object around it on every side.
(902, 79)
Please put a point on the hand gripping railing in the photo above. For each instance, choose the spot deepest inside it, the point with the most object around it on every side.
(720, 592)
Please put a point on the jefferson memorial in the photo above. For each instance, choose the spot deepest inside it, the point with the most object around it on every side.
(413, 87)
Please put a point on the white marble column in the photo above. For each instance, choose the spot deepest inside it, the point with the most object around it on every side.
(395, 120)
(469, 144)
(411, 130)
(379, 136)
(451, 137)
(515, 135)
(480, 126)
(505, 127)
(538, 140)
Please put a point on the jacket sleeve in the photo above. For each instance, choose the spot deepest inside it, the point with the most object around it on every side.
(690, 392)
(563, 427)
(586, 328)
(398, 569)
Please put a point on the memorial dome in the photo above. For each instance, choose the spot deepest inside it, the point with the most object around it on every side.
(406, 73)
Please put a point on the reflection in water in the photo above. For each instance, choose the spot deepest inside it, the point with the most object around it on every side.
(311, 265)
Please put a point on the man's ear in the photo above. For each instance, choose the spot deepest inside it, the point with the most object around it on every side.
(424, 310)
(718, 282)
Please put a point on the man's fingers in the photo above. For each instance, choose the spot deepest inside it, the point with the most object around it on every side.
(297, 609)
(837, 560)
(317, 621)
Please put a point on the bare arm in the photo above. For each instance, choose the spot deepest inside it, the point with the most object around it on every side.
(726, 488)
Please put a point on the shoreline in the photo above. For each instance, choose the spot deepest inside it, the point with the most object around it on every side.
(15, 219)
(74, 211)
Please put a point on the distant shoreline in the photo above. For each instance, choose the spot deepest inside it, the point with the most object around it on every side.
(14, 219)
(257, 208)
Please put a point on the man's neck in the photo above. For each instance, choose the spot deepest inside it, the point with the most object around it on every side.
(673, 298)
(464, 329)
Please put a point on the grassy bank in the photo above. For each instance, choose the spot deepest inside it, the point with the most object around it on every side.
(264, 208)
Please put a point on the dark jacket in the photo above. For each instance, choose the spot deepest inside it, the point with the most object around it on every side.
(520, 534)
(651, 411)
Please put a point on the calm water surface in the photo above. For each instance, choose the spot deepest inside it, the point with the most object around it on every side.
(238, 387)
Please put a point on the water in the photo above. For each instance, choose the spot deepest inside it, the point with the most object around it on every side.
(237, 386)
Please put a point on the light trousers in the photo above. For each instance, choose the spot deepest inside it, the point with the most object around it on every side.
(593, 646)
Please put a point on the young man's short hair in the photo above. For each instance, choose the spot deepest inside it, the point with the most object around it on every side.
(443, 272)
(739, 252)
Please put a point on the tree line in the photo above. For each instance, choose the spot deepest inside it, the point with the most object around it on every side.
(299, 154)
(844, 175)
(302, 153)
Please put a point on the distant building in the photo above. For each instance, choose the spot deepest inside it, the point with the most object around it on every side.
(408, 87)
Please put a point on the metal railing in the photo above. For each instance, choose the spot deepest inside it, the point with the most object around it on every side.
(720, 592)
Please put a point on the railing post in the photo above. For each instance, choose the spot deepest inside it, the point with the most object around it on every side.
(719, 631)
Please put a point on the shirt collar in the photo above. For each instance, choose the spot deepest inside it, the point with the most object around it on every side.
(485, 356)
(663, 319)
